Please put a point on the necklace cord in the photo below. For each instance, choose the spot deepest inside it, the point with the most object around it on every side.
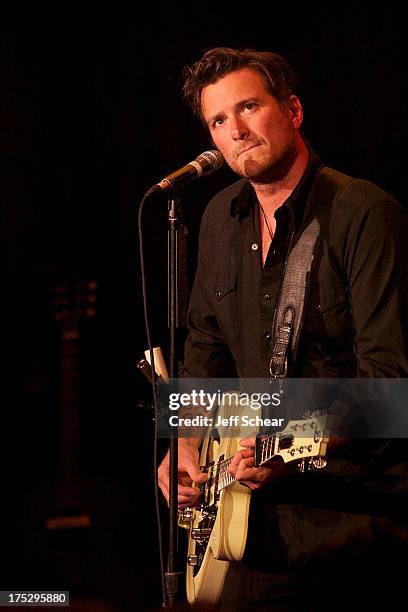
(266, 221)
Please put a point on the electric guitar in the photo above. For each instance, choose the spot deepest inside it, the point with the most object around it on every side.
(74, 302)
(217, 528)
(71, 521)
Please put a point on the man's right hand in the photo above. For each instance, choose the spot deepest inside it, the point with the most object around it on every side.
(187, 473)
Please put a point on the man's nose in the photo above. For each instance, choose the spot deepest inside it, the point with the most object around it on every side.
(239, 129)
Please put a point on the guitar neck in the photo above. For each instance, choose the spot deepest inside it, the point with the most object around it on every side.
(265, 450)
(69, 420)
(300, 440)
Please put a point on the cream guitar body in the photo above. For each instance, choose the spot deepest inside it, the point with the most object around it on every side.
(208, 557)
(217, 528)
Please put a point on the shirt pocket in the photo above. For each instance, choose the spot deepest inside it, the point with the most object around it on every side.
(327, 297)
(226, 305)
(329, 316)
(222, 293)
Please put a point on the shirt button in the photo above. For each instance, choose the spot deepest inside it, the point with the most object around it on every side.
(267, 296)
(268, 337)
(254, 246)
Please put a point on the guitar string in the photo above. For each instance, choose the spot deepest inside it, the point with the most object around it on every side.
(267, 445)
(226, 462)
(221, 473)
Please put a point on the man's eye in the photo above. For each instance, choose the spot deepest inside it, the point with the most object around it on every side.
(250, 106)
(217, 122)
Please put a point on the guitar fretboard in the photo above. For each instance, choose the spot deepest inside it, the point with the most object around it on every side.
(223, 478)
(300, 440)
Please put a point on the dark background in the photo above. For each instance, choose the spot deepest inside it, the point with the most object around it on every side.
(91, 115)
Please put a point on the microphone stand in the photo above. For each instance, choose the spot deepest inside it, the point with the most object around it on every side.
(173, 573)
(205, 163)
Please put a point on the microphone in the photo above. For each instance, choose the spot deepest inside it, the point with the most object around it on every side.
(206, 163)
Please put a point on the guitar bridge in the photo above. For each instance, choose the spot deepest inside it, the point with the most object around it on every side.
(185, 516)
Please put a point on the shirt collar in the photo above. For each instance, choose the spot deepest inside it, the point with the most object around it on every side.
(242, 203)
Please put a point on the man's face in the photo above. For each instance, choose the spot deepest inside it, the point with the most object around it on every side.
(256, 135)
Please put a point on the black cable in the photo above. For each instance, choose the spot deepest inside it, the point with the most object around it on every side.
(154, 392)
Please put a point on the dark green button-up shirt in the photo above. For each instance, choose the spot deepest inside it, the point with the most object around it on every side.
(356, 316)
(356, 325)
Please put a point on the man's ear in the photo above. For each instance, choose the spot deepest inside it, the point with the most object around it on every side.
(296, 111)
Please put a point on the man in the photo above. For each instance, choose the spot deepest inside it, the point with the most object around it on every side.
(355, 322)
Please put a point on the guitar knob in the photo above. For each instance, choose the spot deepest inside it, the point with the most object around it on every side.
(192, 560)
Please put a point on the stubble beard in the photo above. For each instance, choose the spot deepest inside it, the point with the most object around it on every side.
(274, 169)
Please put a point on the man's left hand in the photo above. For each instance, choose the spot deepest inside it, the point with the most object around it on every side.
(242, 467)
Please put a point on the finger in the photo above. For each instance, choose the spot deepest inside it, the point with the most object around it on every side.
(189, 491)
(258, 476)
(248, 442)
(184, 501)
(192, 470)
(246, 470)
(201, 477)
(244, 454)
(188, 496)
(188, 500)
(237, 458)
(251, 485)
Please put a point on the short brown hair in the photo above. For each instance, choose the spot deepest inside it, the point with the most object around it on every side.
(279, 77)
